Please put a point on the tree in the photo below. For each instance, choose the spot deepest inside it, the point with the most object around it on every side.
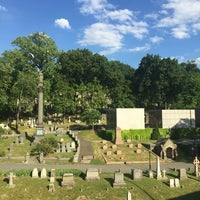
(155, 135)
(90, 116)
(46, 146)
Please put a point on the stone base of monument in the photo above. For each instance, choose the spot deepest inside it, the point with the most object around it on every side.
(39, 135)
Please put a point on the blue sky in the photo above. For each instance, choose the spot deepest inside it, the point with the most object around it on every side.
(123, 30)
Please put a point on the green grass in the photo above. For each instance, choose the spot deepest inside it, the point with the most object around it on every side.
(148, 189)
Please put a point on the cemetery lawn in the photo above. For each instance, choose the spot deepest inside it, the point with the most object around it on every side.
(147, 188)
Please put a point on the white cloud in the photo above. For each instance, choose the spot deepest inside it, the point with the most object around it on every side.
(182, 15)
(2, 8)
(104, 35)
(151, 16)
(197, 61)
(93, 6)
(156, 39)
(146, 47)
(62, 23)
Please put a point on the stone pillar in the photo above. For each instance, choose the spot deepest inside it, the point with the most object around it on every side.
(118, 136)
(158, 172)
(40, 125)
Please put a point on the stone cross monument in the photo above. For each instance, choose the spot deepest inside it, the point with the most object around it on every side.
(40, 125)
(196, 166)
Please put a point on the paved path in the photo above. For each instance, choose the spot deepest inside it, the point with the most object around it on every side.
(126, 168)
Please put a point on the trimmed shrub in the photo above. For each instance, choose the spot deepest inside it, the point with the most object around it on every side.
(155, 135)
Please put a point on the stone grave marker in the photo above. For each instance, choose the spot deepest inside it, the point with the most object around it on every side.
(51, 187)
(130, 146)
(105, 147)
(171, 183)
(196, 166)
(59, 148)
(43, 173)
(119, 152)
(139, 145)
(137, 174)
(52, 179)
(35, 173)
(68, 180)
(63, 148)
(41, 158)
(118, 136)
(129, 141)
(150, 174)
(53, 173)
(114, 146)
(138, 151)
(109, 153)
(92, 174)
(119, 180)
(11, 176)
(129, 196)
(27, 157)
(73, 145)
(182, 173)
(164, 174)
(17, 140)
(176, 182)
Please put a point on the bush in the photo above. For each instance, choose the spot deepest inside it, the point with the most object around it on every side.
(2, 153)
(188, 133)
(155, 135)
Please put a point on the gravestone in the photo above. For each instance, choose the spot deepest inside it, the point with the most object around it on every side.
(182, 174)
(63, 148)
(196, 166)
(130, 146)
(92, 174)
(171, 183)
(11, 176)
(43, 173)
(68, 180)
(51, 187)
(35, 173)
(109, 153)
(158, 172)
(59, 148)
(17, 140)
(105, 147)
(52, 179)
(137, 174)
(129, 196)
(118, 136)
(138, 151)
(128, 141)
(176, 182)
(41, 158)
(53, 173)
(119, 180)
(150, 174)
(119, 152)
(164, 174)
(73, 145)
(114, 146)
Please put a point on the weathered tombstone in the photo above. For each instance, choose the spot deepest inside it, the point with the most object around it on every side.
(119, 152)
(182, 173)
(109, 153)
(35, 173)
(176, 182)
(119, 180)
(137, 174)
(129, 141)
(52, 179)
(138, 151)
(158, 172)
(53, 173)
(118, 136)
(63, 148)
(196, 166)
(139, 145)
(68, 180)
(114, 146)
(73, 145)
(130, 145)
(51, 187)
(164, 174)
(129, 196)
(10, 184)
(43, 173)
(104, 142)
(171, 183)
(150, 174)
(41, 158)
(92, 174)
(105, 147)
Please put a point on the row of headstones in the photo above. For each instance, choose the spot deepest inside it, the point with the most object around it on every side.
(62, 147)
(75, 137)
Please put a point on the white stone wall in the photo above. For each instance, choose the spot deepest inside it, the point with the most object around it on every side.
(178, 118)
(130, 118)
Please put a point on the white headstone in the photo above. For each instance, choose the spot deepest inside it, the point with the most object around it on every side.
(44, 173)
(35, 173)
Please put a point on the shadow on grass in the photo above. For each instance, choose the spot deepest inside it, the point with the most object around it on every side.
(29, 138)
(110, 181)
(191, 196)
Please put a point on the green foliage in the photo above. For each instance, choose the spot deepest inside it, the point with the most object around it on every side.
(46, 146)
(2, 131)
(142, 134)
(90, 116)
(75, 172)
(2, 153)
(155, 135)
(180, 133)
(107, 134)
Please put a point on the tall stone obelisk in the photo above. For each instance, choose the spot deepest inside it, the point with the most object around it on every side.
(40, 124)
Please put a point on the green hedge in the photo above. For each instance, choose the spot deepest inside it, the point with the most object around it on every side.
(142, 134)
